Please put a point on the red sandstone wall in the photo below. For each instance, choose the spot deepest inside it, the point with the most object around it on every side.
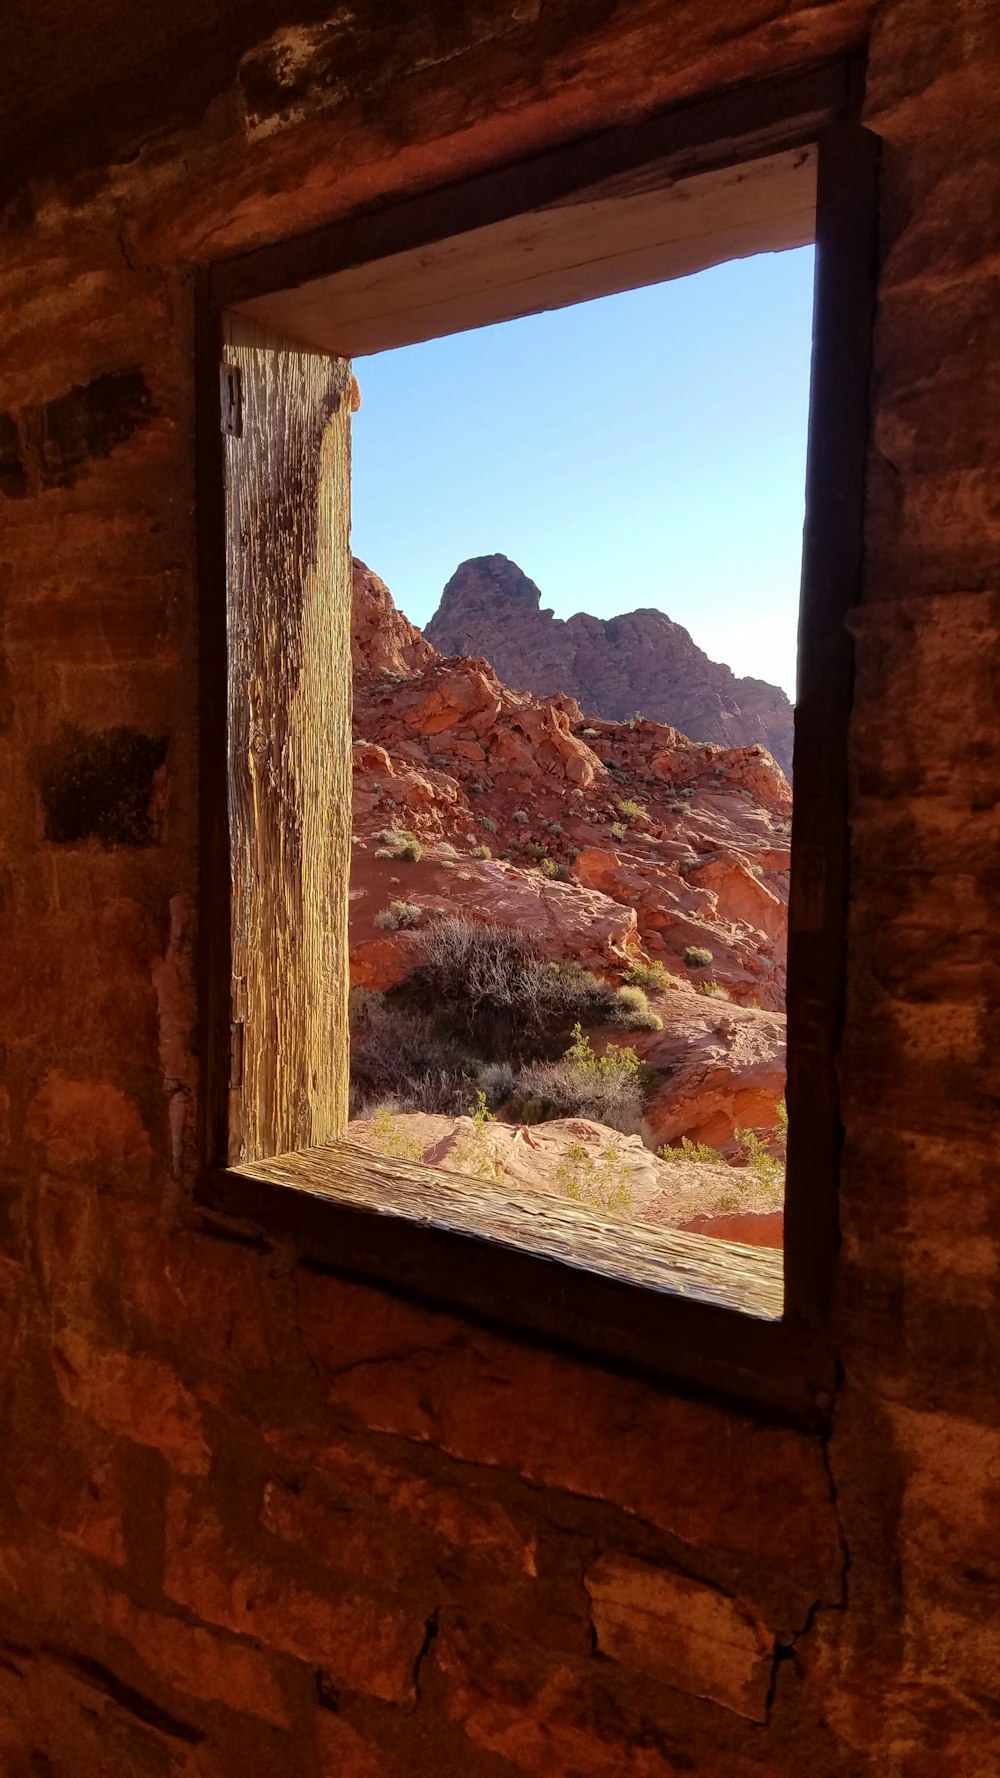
(256, 1521)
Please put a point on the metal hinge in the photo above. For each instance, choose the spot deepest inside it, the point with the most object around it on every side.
(236, 1054)
(231, 400)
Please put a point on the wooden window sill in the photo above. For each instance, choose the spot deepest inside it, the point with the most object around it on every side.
(687, 1306)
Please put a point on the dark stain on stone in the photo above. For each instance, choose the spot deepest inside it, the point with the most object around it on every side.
(86, 423)
(102, 787)
(13, 476)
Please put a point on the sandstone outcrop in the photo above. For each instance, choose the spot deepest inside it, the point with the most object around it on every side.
(613, 667)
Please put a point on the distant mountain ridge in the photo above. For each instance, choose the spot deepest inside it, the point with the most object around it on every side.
(613, 667)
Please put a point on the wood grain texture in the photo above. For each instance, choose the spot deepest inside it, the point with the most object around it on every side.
(697, 1267)
(287, 493)
(619, 234)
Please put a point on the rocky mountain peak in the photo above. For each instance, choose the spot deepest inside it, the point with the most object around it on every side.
(640, 661)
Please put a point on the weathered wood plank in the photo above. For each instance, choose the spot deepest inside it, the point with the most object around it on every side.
(617, 235)
(287, 491)
(697, 1267)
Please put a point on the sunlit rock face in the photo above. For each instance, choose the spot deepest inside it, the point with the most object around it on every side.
(613, 667)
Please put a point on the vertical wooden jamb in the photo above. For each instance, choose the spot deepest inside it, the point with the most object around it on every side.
(839, 420)
(214, 895)
(288, 581)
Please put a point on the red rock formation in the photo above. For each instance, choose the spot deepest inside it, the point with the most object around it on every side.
(382, 639)
(613, 667)
(605, 840)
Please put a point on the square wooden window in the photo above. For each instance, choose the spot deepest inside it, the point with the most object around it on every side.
(762, 168)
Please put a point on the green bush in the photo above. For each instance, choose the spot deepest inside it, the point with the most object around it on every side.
(618, 830)
(632, 810)
(768, 1171)
(399, 916)
(697, 956)
(485, 822)
(608, 1088)
(386, 1137)
(691, 1151)
(481, 852)
(633, 1010)
(600, 1181)
(399, 843)
(652, 976)
(714, 990)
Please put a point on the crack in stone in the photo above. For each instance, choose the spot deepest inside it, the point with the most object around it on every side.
(431, 1628)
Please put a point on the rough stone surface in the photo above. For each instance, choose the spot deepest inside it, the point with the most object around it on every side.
(132, 153)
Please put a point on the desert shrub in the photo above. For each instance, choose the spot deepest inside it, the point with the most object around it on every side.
(783, 827)
(631, 810)
(481, 852)
(563, 874)
(386, 1137)
(384, 852)
(691, 1151)
(589, 734)
(520, 815)
(687, 864)
(756, 870)
(606, 1088)
(399, 916)
(677, 808)
(576, 791)
(768, 1171)
(485, 822)
(399, 843)
(600, 1181)
(388, 802)
(399, 1062)
(490, 987)
(475, 789)
(534, 849)
(618, 830)
(714, 990)
(497, 1080)
(549, 867)
(633, 1010)
(476, 1153)
(697, 956)
(445, 849)
(651, 976)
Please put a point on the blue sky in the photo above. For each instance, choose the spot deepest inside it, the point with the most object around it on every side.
(642, 450)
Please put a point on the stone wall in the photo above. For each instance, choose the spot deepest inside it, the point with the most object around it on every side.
(254, 1520)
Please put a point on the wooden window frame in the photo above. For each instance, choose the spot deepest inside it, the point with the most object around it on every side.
(680, 1306)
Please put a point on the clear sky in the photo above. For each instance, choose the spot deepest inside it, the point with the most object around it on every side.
(642, 450)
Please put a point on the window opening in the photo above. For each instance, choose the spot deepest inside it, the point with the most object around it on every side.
(572, 801)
